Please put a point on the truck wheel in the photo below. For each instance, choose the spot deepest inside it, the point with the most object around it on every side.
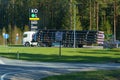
(27, 44)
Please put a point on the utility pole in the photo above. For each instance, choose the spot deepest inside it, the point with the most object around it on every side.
(115, 14)
(74, 25)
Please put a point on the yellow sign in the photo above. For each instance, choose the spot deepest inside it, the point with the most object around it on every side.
(34, 19)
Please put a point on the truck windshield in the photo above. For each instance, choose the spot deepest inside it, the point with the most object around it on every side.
(24, 35)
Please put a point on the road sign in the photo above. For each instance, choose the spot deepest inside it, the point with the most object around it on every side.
(33, 15)
(58, 36)
(6, 36)
(35, 27)
(34, 10)
(34, 22)
(17, 38)
(34, 19)
(100, 37)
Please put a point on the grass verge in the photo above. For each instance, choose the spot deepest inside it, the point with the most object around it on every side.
(48, 54)
(90, 75)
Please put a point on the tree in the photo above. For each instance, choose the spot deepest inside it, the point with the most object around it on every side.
(59, 14)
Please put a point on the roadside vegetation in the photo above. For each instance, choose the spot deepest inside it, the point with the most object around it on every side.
(83, 55)
(89, 75)
(47, 54)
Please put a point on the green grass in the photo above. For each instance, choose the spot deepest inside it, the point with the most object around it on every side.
(90, 75)
(85, 55)
(68, 54)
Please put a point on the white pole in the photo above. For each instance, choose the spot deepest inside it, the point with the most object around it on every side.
(115, 20)
(74, 25)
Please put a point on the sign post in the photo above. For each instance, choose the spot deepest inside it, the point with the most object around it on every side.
(5, 36)
(58, 37)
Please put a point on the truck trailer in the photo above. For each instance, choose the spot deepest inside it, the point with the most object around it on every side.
(67, 38)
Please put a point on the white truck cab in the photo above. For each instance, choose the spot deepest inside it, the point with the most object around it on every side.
(27, 38)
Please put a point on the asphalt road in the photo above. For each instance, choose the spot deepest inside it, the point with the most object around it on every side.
(25, 70)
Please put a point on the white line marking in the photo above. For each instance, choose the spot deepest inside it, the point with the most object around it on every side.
(1, 62)
(4, 75)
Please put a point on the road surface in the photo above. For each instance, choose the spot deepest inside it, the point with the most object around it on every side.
(25, 70)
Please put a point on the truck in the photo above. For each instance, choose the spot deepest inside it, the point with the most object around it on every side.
(67, 38)
(27, 38)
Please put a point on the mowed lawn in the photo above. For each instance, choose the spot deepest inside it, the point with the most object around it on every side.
(83, 55)
(89, 75)
(67, 54)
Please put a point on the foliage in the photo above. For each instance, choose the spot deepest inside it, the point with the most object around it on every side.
(59, 14)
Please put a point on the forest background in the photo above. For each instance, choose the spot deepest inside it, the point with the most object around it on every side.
(103, 15)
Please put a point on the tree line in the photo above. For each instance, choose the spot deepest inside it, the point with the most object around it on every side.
(59, 14)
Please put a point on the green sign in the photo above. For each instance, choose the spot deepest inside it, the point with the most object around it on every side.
(33, 15)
